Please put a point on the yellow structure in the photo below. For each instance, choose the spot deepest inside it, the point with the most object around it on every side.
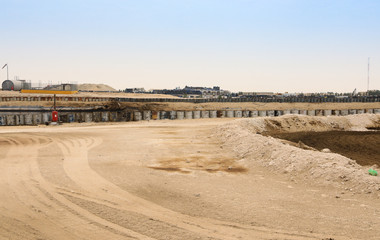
(47, 91)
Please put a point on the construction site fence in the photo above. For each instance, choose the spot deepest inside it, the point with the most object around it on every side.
(200, 100)
(69, 116)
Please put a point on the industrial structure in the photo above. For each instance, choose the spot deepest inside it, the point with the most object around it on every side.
(15, 85)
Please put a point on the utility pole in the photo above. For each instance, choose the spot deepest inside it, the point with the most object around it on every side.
(368, 78)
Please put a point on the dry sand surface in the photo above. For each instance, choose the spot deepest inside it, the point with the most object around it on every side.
(189, 179)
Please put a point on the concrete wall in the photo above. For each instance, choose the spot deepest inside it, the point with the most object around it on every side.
(12, 119)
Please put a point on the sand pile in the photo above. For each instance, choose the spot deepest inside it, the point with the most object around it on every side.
(244, 138)
(94, 87)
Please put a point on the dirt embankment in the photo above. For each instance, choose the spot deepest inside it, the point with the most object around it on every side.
(249, 139)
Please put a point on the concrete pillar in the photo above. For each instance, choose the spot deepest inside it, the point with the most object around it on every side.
(180, 115)
(238, 114)
(262, 113)
(303, 112)
(213, 114)
(270, 113)
(147, 115)
(327, 112)
(229, 113)
(137, 116)
(189, 114)
(295, 111)
(254, 113)
(196, 114)
(360, 111)
(11, 121)
(311, 112)
(352, 111)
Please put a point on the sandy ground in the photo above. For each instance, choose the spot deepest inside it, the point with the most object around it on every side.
(164, 180)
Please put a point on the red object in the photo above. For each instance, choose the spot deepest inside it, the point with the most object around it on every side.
(54, 116)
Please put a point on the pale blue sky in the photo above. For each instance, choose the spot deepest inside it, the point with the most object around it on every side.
(240, 45)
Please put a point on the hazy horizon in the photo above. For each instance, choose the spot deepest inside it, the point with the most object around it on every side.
(242, 45)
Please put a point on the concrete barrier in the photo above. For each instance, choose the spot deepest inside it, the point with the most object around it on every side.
(270, 113)
(318, 112)
(96, 117)
(262, 113)
(180, 115)
(11, 120)
(137, 116)
(287, 112)
(295, 111)
(360, 111)
(164, 115)
(303, 112)
(311, 112)
(189, 114)
(88, 117)
(196, 114)
(376, 111)
(213, 114)
(104, 117)
(245, 113)
(71, 117)
(327, 112)
(238, 114)
(254, 113)
(172, 115)
(352, 111)
(370, 111)
(37, 118)
(113, 116)
(3, 121)
(344, 112)
(205, 114)
(20, 120)
(230, 113)
(45, 117)
(28, 119)
(147, 115)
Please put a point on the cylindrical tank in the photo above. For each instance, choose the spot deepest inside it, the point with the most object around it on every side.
(12, 85)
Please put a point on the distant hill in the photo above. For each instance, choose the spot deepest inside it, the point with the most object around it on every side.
(95, 87)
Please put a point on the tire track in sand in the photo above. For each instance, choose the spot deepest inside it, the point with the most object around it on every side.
(101, 197)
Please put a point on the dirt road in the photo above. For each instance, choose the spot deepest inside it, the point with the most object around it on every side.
(159, 180)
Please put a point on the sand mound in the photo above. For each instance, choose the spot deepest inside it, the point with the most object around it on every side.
(244, 138)
(95, 87)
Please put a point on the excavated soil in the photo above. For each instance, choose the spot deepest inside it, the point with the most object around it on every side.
(358, 145)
